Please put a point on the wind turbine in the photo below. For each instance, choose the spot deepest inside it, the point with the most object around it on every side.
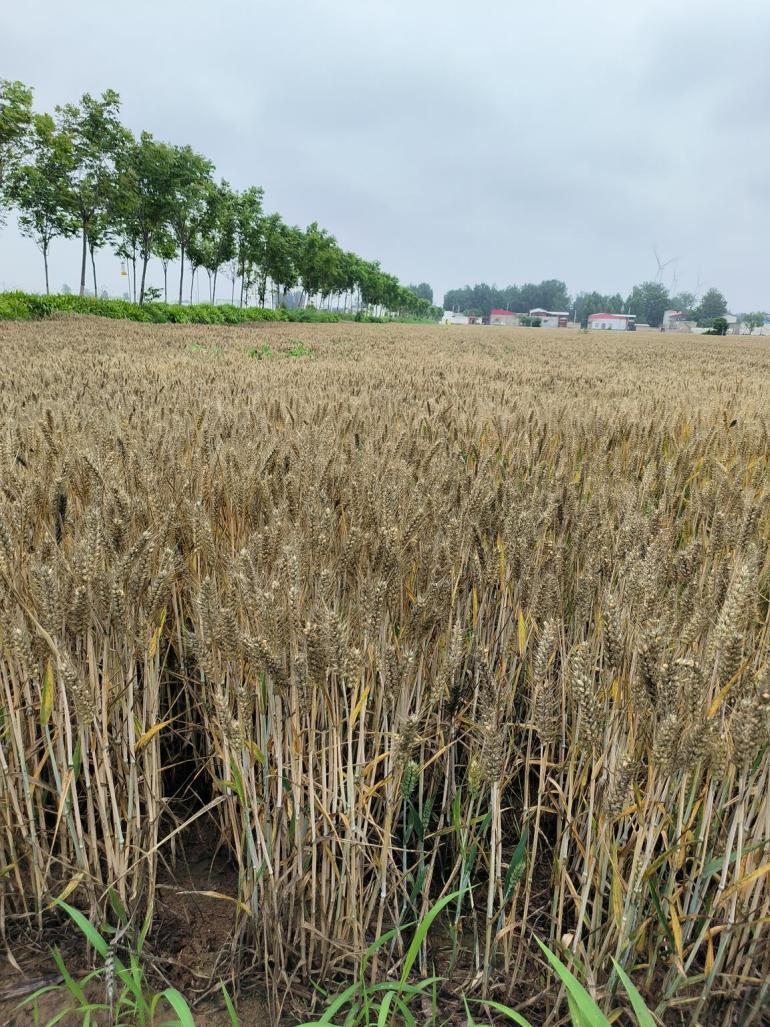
(662, 265)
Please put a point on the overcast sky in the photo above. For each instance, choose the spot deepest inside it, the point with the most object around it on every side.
(456, 142)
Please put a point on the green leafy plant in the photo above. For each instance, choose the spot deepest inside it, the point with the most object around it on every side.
(260, 352)
(300, 350)
(129, 998)
(20, 306)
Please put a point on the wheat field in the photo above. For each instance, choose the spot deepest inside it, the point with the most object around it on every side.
(396, 611)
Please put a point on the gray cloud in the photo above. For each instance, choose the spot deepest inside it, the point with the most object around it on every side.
(453, 142)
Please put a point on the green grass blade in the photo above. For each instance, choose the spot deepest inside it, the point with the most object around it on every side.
(382, 940)
(643, 1014)
(94, 938)
(382, 1019)
(516, 866)
(422, 929)
(178, 1004)
(341, 1000)
(408, 1019)
(229, 1006)
(506, 1011)
(590, 1014)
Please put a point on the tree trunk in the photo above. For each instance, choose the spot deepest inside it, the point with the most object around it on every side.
(241, 290)
(165, 282)
(145, 260)
(214, 290)
(232, 294)
(83, 262)
(181, 274)
(45, 262)
(93, 269)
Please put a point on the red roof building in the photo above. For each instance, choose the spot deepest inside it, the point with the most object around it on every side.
(498, 316)
(613, 322)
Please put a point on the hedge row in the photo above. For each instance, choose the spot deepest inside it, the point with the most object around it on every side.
(21, 306)
(24, 306)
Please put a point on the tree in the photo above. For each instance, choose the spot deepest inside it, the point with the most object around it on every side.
(190, 179)
(15, 120)
(316, 261)
(217, 230)
(685, 302)
(96, 137)
(718, 326)
(711, 306)
(423, 290)
(38, 187)
(755, 320)
(248, 236)
(164, 249)
(649, 301)
(587, 303)
(142, 204)
(283, 259)
(268, 253)
(550, 294)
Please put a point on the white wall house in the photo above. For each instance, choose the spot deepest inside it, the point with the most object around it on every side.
(450, 318)
(551, 318)
(612, 322)
(504, 317)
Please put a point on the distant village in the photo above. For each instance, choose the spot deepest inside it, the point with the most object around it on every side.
(673, 321)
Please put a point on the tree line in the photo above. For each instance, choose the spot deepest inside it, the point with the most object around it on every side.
(81, 172)
(648, 300)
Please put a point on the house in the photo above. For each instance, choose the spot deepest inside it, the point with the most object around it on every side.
(612, 322)
(504, 317)
(676, 321)
(551, 318)
(450, 318)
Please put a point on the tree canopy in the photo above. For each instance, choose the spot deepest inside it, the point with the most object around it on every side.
(712, 305)
(480, 299)
(648, 300)
(80, 171)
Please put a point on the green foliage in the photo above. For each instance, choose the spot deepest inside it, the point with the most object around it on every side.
(96, 139)
(300, 350)
(260, 352)
(718, 326)
(711, 306)
(312, 316)
(129, 998)
(141, 204)
(754, 320)
(423, 291)
(20, 306)
(83, 171)
(685, 302)
(649, 301)
(596, 303)
(550, 294)
(38, 186)
(364, 1003)
(15, 119)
